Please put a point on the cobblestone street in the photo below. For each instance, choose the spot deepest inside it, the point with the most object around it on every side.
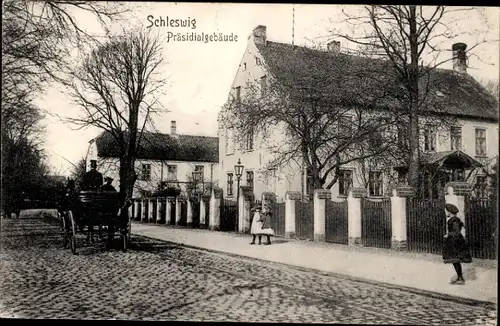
(161, 281)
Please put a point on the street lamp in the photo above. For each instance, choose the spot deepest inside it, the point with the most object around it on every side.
(196, 177)
(238, 171)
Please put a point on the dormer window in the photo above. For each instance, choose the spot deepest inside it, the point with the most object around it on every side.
(244, 66)
(257, 61)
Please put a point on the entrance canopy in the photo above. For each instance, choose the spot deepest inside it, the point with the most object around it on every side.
(450, 160)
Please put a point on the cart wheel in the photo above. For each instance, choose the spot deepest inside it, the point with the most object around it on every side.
(72, 234)
(64, 231)
(124, 241)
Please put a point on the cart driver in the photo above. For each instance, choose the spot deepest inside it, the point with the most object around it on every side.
(92, 180)
(107, 186)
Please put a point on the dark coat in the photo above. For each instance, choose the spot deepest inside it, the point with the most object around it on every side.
(92, 180)
(455, 248)
(266, 220)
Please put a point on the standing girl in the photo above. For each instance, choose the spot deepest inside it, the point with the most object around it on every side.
(455, 249)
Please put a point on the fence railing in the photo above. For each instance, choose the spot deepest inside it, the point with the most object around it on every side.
(425, 225)
(336, 222)
(376, 223)
(278, 220)
(481, 217)
(304, 219)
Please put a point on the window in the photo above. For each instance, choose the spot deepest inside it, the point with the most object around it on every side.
(244, 66)
(345, 126)
(93, 164)
(263, 86)
(456, 138)
(480, 142)
(230, 139)
(171, 172)
(229, 184)
(345, 182)
(375, 183)
(429, 140)
(200, 168)
(480, 186)
(250, 179)
(458, 175)
(376, 138)
(146, 172)
(249, 140)
(257, 61)
(402, 177)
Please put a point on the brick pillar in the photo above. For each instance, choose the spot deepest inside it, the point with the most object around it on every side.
(455, 194)
(214, 219)
(244, 214)
(398, 216)
(189, 212)
(354, 215)
(320, 196)
(204, 206)
(290, 198)
(144, 218)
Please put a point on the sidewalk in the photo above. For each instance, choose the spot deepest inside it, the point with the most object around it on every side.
(399, 269)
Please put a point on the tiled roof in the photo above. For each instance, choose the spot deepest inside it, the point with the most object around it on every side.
(157, 146)
(349, 79)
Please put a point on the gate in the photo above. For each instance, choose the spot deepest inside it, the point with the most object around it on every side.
(278, 220)
(155, 204)
(207, 214)
(228, 215)
(304, 219)
(139, 210)
(145, 210)
(163, 207)
(376, 223)
(425, 224)
(195, 206)
(336, 222)
(481, 228)
(171, 220)
(183, 217)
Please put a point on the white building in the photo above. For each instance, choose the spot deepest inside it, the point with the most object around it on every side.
(473, 141)
(161, 158)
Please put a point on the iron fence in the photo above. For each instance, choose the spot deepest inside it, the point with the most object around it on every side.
(481, 228)
(425, 224)
(336, 222)
(304, 219)
(376, 223)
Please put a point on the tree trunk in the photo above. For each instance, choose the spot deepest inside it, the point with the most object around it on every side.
(414, 139)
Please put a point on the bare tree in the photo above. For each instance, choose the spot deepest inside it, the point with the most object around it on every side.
(117, 88)
(404, 36)
(493, 87)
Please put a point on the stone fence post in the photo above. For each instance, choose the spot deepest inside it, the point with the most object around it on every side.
(455, 194)
(290, 198)
(320, 197)
(204, 207)
(150, 210)
(189, 218)
(244, 207)
(398, 216)
(354, 215)
(158, 210)
(214, 219)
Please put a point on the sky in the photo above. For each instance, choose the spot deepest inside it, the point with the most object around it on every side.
(200, 74)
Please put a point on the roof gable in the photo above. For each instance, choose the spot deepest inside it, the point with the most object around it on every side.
(348, 79)
(164, 147)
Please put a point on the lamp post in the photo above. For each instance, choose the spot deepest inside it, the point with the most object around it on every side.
(238, 171)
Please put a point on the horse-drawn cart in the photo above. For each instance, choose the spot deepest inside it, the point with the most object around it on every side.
(82, 211)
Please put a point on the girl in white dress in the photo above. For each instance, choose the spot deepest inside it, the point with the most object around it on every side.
(256, 227)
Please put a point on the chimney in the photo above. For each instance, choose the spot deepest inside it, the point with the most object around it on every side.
(173, 128)
(333, 46)
(459, 57)
(259, 35)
